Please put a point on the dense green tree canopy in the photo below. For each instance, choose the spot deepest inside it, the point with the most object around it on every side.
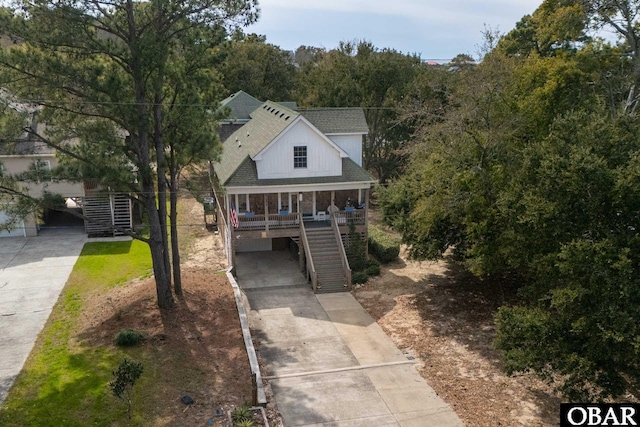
(109, 76)
(532, 172)
(261, 69)
(357, 74)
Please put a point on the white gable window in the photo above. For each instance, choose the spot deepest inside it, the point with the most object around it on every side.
(300, 156)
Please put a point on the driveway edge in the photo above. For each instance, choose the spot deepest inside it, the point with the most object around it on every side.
(248, 342)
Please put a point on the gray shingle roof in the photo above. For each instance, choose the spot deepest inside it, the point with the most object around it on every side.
(246, 175)
(241, 105)
(337, 120)
(267, 122)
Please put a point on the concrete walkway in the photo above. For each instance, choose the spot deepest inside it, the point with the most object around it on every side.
(330, 364)
(33, 271)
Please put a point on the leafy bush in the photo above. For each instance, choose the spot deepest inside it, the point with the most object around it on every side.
(356, 250)
(125, 377)
(128, 338)
(383, 246)
(359, 277)
(373, 262)
(373, 270)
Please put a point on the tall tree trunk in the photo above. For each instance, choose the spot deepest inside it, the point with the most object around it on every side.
(162, 184)
(157, 245)
(173, 218)
(161, 163)
(158, 251)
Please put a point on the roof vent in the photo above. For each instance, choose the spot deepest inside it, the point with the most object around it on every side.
(264, 106)
(239, 143)
(281, 115)
(287, 118)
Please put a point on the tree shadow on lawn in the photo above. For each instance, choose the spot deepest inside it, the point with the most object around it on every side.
(195, 348)
(58, 387)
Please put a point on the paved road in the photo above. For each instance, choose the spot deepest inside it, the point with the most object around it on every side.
(330, 364)
(33, 271)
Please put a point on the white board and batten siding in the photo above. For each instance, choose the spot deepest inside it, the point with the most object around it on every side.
(276, 161)
(351, 143)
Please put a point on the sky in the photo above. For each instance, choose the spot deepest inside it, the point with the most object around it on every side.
(436, 30)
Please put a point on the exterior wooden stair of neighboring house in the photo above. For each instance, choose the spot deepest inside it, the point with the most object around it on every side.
(107, 210)
(326, 258)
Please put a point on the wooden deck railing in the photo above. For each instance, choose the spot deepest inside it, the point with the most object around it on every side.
(358, 216)
(272, 222)
(310, 267)
(292, 220)
(343, 254)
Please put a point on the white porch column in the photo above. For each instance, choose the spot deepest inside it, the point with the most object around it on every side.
(279, 201)
(333, 196)
(289, 206)
(247, 200)
(359, 195)
(266, 212)
(237, 205)
(314, 204)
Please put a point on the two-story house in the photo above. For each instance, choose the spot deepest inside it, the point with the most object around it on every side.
(101, 210)
(296, 176)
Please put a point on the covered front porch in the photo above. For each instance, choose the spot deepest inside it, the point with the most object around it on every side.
(280, 213)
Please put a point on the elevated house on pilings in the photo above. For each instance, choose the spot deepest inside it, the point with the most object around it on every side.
(296, 178)
(105, 212)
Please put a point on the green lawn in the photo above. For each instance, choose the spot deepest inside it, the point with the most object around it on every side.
(64, 382)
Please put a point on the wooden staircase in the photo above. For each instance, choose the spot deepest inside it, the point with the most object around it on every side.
(326, 259)
(106, 211)
(122, 215)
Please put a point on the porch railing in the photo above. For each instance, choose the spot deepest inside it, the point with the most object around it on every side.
(311, 269)
(358, 216)
(343, 254)
(268, 222)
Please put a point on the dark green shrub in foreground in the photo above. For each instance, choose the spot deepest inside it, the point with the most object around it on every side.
(124, 378)
(356, 250)
(359, 277)
(384, 247)
(128, 338)
(373, 270)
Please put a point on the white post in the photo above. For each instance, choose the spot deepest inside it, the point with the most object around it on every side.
(247, 200)
(279, 201)
(359, 195)
(289, 205)
(236, 204)
(314, 204)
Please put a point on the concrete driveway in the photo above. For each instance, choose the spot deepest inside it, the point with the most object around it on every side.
(33, 271)
(330, 364)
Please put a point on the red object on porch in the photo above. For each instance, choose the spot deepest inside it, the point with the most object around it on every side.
(234, 216)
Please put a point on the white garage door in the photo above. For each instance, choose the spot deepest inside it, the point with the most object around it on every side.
(17, 231)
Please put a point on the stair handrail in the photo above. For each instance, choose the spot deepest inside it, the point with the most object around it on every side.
(307, 253)
(343, 254)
